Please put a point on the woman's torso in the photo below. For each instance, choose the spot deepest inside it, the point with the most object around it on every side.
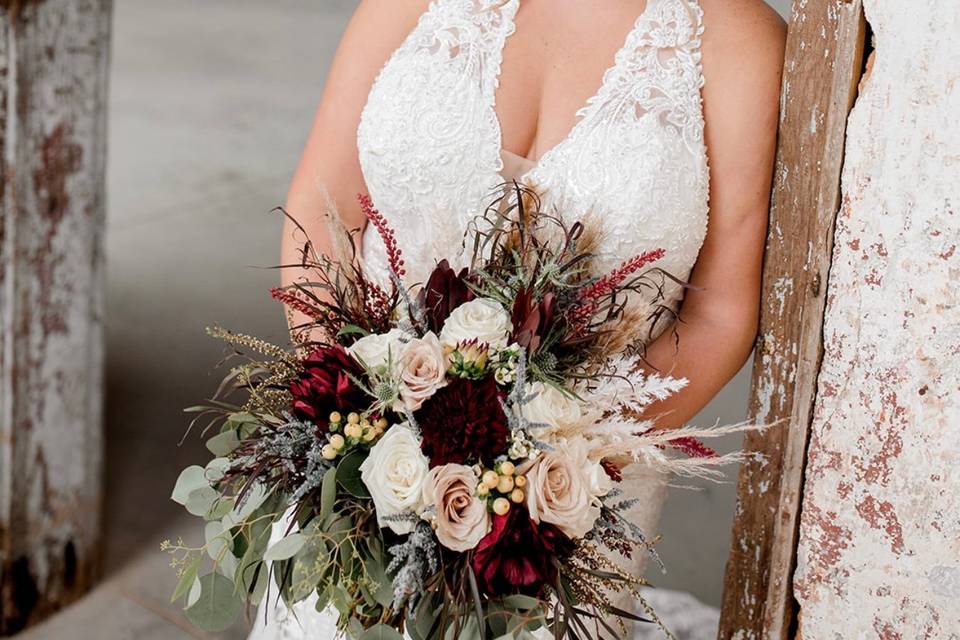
(430, 140)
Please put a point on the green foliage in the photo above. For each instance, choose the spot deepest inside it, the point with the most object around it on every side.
(381, 632)
(218, 605)
(348, 474)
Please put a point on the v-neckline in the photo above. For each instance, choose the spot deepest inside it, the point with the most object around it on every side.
(581, 113)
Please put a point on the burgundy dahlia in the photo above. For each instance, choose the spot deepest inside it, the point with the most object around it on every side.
(519, 555)
(445, 291)
(463, 422)
(324, 386)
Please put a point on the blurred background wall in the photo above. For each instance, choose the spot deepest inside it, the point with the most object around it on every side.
(211, 103)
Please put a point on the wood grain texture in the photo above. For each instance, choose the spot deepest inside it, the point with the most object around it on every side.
(53, 78)
(879, 551)
(822, 67)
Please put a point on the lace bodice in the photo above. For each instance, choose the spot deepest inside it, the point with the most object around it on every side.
(430, 142)
(430, 148)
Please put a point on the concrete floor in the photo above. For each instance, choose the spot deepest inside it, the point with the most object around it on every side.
(210, 105)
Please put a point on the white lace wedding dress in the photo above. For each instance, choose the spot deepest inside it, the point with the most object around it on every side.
(431, 152)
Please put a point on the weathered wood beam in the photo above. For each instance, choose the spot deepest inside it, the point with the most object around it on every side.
(53, 79)
(823, 64)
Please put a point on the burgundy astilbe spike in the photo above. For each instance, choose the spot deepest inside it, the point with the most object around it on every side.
(693, 448)
(591, 295)
(394, 256)
(296, 302)
(377, 305)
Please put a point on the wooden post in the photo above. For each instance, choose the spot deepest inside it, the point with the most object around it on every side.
(53, 78)
(823, 64)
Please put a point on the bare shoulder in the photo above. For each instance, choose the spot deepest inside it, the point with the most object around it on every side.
(739, 36)
(379, 26)
(743, 47)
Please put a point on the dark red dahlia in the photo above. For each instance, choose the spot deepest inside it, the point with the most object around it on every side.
(325, 386)
(463, 423)
(445, 291)
(519, 555)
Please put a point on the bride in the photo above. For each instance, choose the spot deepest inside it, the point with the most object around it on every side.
(609, 108)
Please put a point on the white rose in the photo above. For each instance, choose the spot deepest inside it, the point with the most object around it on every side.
(394, 473)
(423, 370)
(578, 449)
(375, 349)
(553, 407)
(482, 319)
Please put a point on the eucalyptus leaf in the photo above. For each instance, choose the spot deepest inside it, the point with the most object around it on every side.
(323, 599)
(285, 548)
(217, 607)
(251, 570)
(216, 469)
(245, 424)
(224, 443)
(348, 474)
(255, 496)
(381, 632)
(242, 417)
(520, 602)
(467, 631)
(381, 585)
(221, 507)
(200, 500)
(340, 599)
(187, 578)
(328, 493)
(351, 329)
(194, 594)
(255, 596)
(219, 542)
(190, 479)
(308, 563)
(426, 618)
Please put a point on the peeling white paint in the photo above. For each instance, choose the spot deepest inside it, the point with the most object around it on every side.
(879, 553)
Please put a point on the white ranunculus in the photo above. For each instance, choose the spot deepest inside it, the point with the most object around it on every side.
(394, 473)
(375, 349)
(483, 319)
(553, 407)
(423, 370)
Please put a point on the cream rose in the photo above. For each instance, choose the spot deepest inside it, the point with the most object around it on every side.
(577, 449)
(462, 518)
(482, 319)
(375, 350)
(557, 494)
(423, 370)
(553, 407)
(394, 473)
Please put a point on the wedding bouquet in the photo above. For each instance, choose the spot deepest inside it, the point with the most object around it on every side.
(444, 459)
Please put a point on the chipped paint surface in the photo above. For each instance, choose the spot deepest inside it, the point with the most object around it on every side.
(823, 55)
(53, 71)
(879, 552)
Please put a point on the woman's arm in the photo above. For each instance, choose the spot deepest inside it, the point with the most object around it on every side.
(330, 158)
(742, 58)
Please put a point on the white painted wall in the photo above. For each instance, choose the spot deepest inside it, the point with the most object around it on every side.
(879, 551)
